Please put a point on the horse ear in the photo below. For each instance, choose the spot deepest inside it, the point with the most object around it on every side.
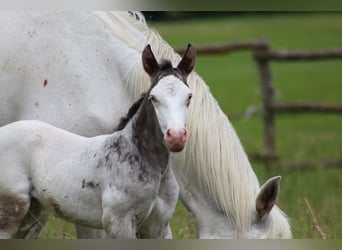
(187, 64)
(150, 63)
(267, 196)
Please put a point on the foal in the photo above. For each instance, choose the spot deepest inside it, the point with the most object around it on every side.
(109, 181)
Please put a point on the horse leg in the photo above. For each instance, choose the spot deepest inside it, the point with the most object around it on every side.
(33, 222)
(13, 209)
(156, 225)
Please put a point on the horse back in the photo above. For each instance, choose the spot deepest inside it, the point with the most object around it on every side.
(56, 69)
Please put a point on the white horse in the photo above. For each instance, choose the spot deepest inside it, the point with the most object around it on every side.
(81, 71)
(109, 181)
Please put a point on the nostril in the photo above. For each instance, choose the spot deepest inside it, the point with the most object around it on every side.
(185, 135)
(176, 136)
(168, 133)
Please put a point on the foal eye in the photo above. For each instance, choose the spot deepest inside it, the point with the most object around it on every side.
(189, 99)
(152, 98)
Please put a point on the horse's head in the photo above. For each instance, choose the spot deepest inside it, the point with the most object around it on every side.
(170, 95)
(268, 220)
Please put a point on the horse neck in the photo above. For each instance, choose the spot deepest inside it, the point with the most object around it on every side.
(147, 135)
(218, 162)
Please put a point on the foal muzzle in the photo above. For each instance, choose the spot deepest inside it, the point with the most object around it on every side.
(175, 139)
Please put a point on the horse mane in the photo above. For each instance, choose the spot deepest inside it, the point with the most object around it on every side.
(218, 161)
(131, 112)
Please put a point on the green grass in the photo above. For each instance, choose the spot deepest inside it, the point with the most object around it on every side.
(234, 81)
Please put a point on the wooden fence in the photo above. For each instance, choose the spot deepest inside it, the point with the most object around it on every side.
(263, 55)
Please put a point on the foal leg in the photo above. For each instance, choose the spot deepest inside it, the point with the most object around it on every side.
(13, 209)
(118, 218)
(33, 222)
(157, 223)
(119, 227)
(89, 233)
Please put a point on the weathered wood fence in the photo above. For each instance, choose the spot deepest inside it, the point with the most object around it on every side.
(263, 55)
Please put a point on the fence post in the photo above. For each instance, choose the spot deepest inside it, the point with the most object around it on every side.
(267, 92)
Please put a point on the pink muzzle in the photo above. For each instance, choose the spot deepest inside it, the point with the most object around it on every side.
(175, 139)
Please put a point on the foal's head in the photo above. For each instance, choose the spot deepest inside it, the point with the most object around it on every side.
(170, 95)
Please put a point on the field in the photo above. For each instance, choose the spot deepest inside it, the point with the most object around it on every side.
(234, 81)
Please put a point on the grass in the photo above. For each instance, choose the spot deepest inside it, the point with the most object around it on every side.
(234, 81)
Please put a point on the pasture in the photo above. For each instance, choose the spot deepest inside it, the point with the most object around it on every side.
(234, 81)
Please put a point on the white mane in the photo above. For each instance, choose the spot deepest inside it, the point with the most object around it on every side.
(213, 153)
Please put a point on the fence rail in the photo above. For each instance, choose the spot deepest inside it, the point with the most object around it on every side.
(227, 47)
(306, 107)
(284, 55)
(263, 55)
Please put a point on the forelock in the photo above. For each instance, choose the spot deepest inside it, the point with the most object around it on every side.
(166, 69)
(165, 65)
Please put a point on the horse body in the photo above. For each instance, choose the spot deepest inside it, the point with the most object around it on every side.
(109, 181)
(216, 181)
(47, 71)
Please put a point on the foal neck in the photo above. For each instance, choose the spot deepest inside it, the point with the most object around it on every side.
(147, 135)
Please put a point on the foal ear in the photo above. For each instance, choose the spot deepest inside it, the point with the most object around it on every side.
(150, 63)
(187, 64)
(267, 196)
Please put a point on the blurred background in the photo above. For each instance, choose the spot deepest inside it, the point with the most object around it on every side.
(235, 82)
(311, 189)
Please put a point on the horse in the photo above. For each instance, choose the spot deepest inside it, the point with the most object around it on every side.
(109, 181)
(81, 71)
